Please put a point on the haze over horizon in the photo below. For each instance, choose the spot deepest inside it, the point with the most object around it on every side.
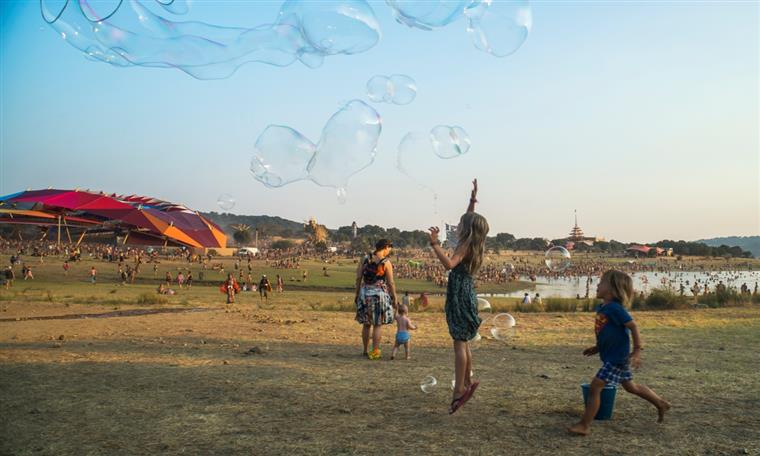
(644, 117)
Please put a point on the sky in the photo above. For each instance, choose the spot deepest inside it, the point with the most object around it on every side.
(643, 116)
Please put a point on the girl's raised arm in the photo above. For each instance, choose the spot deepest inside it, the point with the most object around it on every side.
(473, 196)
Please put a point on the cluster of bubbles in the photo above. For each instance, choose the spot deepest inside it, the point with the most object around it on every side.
(498, 27)
(557, 259)
(398, 89)
(225, 201)
(348, 144)
(137, 35)
(304, 30)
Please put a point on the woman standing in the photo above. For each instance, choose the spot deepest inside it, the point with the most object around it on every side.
(375, 296)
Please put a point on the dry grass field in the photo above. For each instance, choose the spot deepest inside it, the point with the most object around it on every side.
(195, 376)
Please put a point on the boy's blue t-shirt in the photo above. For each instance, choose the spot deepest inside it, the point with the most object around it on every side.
(611, 334)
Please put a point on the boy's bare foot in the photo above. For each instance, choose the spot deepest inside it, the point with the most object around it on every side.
(661, 410)
(578, 429)
(408, 358)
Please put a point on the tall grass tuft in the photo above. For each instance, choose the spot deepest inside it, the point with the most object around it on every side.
(149, 298)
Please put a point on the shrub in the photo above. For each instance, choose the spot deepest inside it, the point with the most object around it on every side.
(661, 299)
(149, 298)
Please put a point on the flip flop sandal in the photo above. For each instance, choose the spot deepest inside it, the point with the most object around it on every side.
(457, 403)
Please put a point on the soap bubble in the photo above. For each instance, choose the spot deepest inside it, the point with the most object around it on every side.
(428, 384)
(428, 14)
(226, 201)
(483, 305)
(281, 156)
(474, 343)
(348, 143)
(557, 259)
(499, 27)
(305, 31)
(417, 150)
(503, 326)
(449, 142)
(397, 89)
(378, 89)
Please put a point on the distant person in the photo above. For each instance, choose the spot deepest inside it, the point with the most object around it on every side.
(66, 268)
(526, 299)
(28, 273)
(264, 288)
(230, 288)
(406, 300)
(180, 279)
(305, 275)
(537, 300)
(189, 279)
(93, 275)
(403, 326)
(612, 326)
(280, 284)
(9, 277)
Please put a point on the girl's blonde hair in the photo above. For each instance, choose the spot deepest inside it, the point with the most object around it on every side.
(621, 285)
(473, 229)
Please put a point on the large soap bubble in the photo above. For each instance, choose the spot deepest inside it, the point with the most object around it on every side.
(557, 259)
(417, 150)
(113, 33)
(348, 144)
(499, 27)
(397, 89)
(483, 305)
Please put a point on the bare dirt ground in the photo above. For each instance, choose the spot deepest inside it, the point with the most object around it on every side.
(241, 380)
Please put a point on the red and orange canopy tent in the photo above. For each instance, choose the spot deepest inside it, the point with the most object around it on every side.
(140, 219)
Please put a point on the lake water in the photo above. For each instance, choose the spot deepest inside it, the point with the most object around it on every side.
(642, 281)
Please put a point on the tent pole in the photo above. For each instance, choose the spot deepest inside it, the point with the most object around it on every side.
(68, 234)
(126, 237)
(81, 237)
(44, 235)
(59, 230)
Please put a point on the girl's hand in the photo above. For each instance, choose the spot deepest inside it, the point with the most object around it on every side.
(434, 230)
(591, 351)
(635, 359)
(474, 194)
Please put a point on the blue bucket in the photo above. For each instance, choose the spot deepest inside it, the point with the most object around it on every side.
(607, 402)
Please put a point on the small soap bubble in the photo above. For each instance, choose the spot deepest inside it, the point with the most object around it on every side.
(428, 384)
(449, 141)
(398, 89)
(557, 259)
(226, 201)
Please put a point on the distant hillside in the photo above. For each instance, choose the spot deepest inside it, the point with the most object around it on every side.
(749, 243)
(268, 226)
